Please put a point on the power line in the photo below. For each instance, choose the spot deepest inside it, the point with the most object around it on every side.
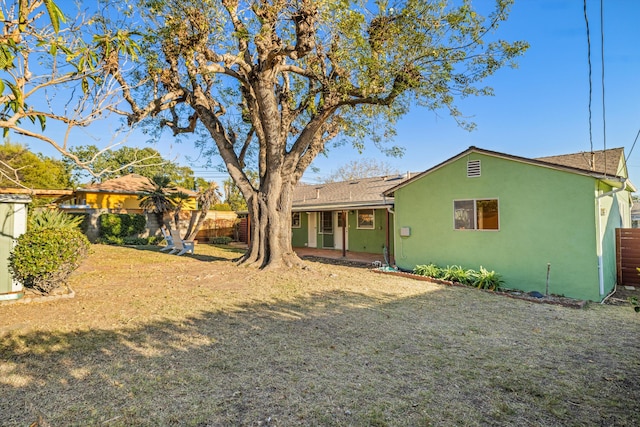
(633, 146)
(586, 20)
(604, 116)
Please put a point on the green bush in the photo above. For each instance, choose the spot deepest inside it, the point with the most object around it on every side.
(485, 279)
(130, 240)
(222, 240)
(121, 225)
(221, 207)
(111, 240)
(43, 259)
(429, 270)
(138, 241)
(455, 273)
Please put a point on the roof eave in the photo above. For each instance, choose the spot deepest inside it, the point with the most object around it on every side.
(597, 175)
(342, 206)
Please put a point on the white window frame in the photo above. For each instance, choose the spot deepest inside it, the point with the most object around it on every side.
(373, 220)
(475, 214)
(293, 221)
(320, 218)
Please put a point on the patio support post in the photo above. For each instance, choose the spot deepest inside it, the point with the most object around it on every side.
(386, 235)
(344, 233)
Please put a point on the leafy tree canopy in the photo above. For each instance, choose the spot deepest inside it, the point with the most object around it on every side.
(20, 167)
(52, 77)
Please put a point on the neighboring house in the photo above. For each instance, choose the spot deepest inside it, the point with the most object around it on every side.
(635, 214)
(118, 195)
(534, 221)
(349, 215)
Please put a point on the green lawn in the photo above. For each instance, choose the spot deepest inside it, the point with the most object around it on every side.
(152, 339)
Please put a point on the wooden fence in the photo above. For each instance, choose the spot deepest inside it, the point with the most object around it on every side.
(628, 256)
(218, 224)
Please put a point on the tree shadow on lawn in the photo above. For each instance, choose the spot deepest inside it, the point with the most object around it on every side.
(197, 256)
(336, 358)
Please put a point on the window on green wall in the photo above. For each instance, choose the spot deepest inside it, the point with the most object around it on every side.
(365, 219)
(295, 220)
(476, 214)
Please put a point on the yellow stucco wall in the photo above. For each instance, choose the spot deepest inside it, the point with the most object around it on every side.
(125, 201)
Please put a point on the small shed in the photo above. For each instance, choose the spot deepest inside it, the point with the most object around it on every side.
(13, 223)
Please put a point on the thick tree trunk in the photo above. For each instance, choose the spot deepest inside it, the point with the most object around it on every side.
(270, 211)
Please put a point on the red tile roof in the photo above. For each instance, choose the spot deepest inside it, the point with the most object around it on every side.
(128, 184)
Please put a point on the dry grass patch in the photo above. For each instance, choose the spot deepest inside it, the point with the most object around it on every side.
(153, 339)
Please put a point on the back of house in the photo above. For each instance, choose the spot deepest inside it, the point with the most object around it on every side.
(541, 223)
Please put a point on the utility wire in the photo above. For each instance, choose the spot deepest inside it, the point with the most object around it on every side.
(586, 20)
(633, 146)
(604, 116)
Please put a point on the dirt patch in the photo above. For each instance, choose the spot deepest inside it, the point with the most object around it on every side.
(623, 295)
(336, 261)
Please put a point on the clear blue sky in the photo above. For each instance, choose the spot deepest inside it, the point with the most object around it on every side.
(539, 109)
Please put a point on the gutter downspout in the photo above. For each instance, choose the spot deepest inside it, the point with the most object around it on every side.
(392, 212)
(601, 234)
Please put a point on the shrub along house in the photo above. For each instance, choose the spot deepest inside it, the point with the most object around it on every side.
(348, 216)
(539, 221)
(118, 195)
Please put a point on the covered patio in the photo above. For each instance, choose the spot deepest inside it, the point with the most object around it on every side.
(336, 254)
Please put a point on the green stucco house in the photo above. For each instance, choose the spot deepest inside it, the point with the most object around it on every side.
(539, 221)
(349, 215)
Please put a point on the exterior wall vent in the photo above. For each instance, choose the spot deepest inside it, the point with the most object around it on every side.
(473, 168)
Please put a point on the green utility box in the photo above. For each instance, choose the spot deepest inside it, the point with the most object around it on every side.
(13, 222)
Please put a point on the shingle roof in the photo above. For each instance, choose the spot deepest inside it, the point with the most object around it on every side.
(345, 194)
(603, 161)
(128, 184)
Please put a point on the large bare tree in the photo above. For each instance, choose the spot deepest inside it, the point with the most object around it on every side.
(361, 168)
(266, 84)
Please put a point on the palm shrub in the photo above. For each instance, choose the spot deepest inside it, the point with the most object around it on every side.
(221, 240)
(53, 218)
(485, 279)
(44, 258)
(429, 270)
(455, 273)
(156, 199)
